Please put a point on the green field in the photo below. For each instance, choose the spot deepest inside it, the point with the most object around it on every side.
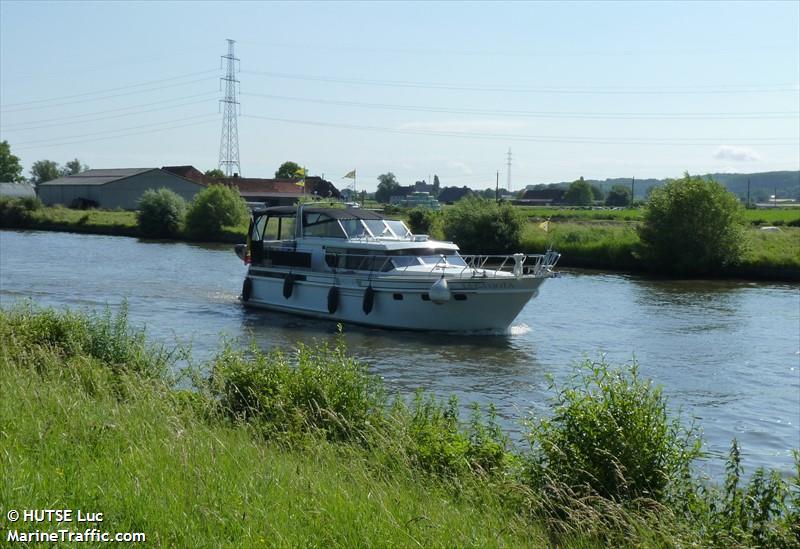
(763, 216)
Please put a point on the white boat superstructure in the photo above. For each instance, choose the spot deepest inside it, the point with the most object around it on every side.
(356, 266)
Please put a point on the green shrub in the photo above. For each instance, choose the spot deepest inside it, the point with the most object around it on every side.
(484, 226)
(214, 208)
(692, 226)
(761, 512)
(610, 436)
(322, 390)
(160, 213)
(16, 212)
(429, 435)
(422, 220)
(390, 209)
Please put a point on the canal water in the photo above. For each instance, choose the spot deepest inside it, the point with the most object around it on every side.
(727, 353)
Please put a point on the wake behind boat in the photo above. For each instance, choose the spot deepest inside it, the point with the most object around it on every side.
(354, 265)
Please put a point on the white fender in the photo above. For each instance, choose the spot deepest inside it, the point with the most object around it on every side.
(439, 292)
(518, 259)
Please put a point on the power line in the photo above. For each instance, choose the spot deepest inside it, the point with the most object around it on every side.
(541, 114)
(105, 111)
(108, 96)
(118, 136)
(655, 90)
(87, 120)
(543, 138)
(360, 49)
(147, 83)
(111, 131)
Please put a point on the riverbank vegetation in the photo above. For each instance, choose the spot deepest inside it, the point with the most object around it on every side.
(600, 239)
(691, 226)
(305, 447)
(29, 213)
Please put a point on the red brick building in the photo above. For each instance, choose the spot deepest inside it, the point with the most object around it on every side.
(273, 192)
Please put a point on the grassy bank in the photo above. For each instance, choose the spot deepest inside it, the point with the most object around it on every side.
(106, 222)
(613, 245)
(306, 449)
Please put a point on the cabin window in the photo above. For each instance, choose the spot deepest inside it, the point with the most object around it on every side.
(354, 228)
(433, 260)
(404, 261)
(286, 228)
(272, 230)
(460, 297)
(356, 260)
(257, 229)
(398, 297)
(323, 226)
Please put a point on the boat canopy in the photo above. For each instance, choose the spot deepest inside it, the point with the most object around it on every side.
(347, 223)
(335, 213)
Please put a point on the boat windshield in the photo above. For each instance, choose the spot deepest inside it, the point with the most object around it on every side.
(398, 228)
(376, 228)
(387, 228)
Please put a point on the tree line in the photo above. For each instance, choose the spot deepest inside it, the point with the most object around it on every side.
(41, 170)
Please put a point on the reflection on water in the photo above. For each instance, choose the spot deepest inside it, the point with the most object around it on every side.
(727, 353)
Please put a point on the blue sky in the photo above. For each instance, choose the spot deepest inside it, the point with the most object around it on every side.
(573, 89)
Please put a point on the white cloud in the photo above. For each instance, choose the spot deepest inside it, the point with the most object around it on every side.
(464, 126)
(736, 154)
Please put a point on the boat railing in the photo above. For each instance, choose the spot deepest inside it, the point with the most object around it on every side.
(466, 266)
(515, 264)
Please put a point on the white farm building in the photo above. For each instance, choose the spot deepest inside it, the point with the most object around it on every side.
(113, 188)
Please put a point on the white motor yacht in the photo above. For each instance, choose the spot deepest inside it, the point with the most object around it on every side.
(354, 265)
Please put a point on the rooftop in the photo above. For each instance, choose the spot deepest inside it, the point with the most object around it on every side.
(98, 177)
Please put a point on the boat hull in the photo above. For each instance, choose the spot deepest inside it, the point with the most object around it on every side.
(476, 304)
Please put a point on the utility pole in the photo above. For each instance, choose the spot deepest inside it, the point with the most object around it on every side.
(508, 185)
(633, 183)
(229, 141)
(748, 192)
(497, 187)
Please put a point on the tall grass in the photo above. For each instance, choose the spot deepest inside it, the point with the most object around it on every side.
(773, 250)
(305, 448)
(170, 464)
(593, 245)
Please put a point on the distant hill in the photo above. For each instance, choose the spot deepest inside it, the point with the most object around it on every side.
(762, 185)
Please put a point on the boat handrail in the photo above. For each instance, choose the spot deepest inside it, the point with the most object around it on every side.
(474, 266)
